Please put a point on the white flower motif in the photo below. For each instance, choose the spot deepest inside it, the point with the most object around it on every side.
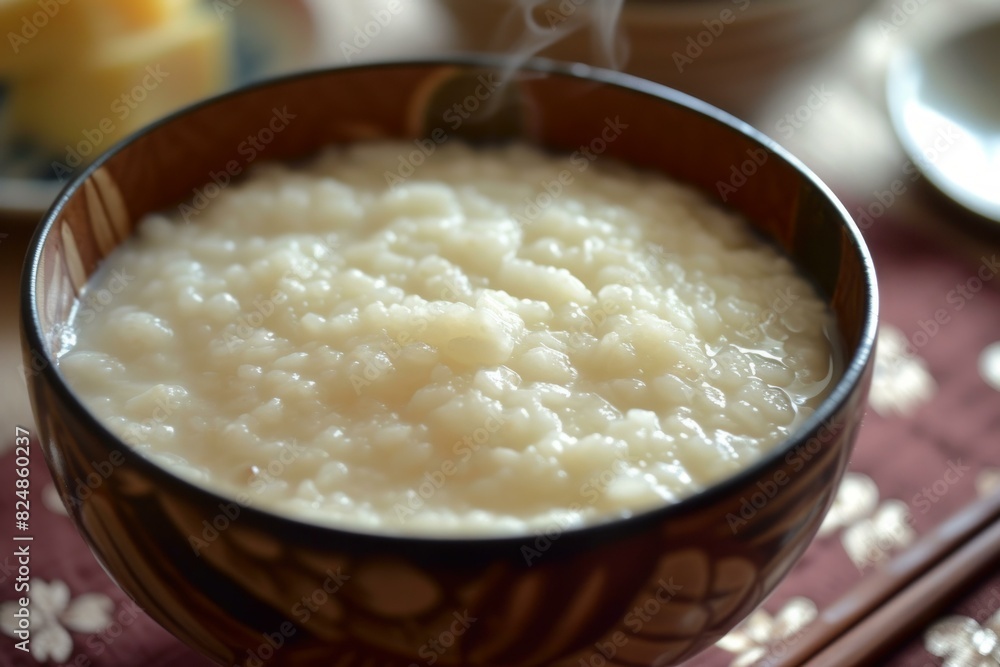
(989, 365)
(871, 541)
(988, 482)
(52, 613)
(756, 636)
(51, 500)
(857, 498)
(901, 381)
(871, 531)
(964, 643)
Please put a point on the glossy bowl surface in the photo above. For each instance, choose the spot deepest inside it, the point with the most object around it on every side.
(241, 584)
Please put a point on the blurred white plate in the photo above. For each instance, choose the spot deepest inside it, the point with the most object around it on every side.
(944, 101)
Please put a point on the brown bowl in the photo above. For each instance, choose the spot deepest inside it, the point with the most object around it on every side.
(243, 585)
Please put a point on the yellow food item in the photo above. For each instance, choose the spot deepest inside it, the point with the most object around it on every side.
(144, 13)
(103, 94)
(52, 33)
(40, 33)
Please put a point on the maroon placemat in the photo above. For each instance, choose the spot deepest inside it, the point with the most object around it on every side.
(966, 634)
(77, 615)
(928, 449)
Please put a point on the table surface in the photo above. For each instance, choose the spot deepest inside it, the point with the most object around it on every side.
(14, 407)
(925, 244)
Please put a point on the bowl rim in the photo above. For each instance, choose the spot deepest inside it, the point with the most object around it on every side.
(854, 368)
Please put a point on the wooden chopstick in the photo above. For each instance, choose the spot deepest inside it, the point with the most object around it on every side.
(915, 606)
(923, 578)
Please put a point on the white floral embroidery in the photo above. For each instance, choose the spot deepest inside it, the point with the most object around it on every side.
(989, 365)
(760, 634)
(901, 381)
(857, 498)
(870, 542)
(962, 642)
(871, 531)
(51, 500)
(988, 482)
(52, 614)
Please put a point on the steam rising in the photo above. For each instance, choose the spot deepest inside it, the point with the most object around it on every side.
(537, 25)
(543, 23)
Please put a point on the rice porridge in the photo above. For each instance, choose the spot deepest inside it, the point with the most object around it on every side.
(505, 340)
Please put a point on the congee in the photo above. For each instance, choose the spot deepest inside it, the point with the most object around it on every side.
(504, 340)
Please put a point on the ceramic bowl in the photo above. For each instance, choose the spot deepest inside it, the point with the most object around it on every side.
(730, 53)
(245, 586)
